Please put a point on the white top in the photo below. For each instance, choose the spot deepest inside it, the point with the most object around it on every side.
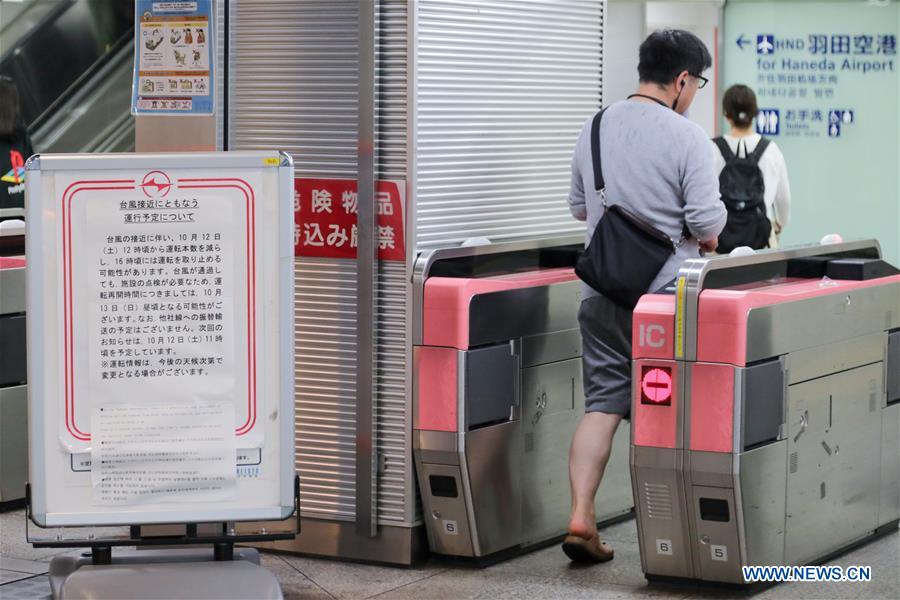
(774, 170)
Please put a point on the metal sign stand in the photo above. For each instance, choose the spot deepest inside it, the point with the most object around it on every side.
(164, 573)
(199, 559)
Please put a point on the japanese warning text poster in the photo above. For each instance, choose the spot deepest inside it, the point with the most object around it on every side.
(174, 60)
(159, 315)
(325, 218)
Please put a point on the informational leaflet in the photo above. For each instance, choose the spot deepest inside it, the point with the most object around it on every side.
(161, 295)
(174, 58)
(163, 452)
(162, 300)
(158, 302)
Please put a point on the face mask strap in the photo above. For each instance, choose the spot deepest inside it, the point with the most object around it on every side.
(680, 89)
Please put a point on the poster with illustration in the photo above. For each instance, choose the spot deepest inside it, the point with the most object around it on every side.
(174, 64)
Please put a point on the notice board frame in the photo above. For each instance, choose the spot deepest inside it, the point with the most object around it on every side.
(273, 309)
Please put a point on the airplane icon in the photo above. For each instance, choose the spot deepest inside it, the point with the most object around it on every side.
(765, 44)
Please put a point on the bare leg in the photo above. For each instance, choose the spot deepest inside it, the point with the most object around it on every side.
(588, 456)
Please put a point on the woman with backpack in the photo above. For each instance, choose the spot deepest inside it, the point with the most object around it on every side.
(753, 177)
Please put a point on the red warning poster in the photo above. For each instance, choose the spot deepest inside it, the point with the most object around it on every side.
(325, 217)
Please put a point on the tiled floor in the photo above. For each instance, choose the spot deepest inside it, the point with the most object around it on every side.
(542, 574)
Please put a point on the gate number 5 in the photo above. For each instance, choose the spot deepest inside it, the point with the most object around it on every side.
(719, 553)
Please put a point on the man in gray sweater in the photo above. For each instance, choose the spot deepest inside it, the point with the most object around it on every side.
(659, 165)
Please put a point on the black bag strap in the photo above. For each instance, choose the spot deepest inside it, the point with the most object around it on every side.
(724, 148)
(599, 183)
(760, 148)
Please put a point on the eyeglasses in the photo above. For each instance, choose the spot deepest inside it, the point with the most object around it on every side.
(701, 81)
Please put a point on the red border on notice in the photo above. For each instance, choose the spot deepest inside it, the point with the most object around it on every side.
(130, 184)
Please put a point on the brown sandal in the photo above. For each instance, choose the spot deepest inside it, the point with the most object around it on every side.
(591, 550)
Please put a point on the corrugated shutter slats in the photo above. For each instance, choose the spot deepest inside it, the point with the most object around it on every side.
(503, 88)
(294, 84)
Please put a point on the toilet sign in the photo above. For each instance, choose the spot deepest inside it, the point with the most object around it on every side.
(768, 121)
(325, 218)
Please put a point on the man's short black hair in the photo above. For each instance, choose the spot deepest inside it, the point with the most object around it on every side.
(665, 54)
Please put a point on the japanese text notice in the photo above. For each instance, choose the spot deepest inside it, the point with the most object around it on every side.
(163, 452)
(159, 300)
(162, 305)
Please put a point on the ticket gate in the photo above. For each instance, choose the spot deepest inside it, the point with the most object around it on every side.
(497, 396)
(766, 411)
(13, 388)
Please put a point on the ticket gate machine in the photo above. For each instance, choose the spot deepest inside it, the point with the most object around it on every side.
(13, 388)
(766, 411)
(498, 394)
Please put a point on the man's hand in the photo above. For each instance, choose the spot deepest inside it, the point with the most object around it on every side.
(709, 245)
(777, 228)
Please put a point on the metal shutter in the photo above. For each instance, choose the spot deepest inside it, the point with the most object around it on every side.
(503, 88)
(393, 412)
(219, 11)
(293, 87)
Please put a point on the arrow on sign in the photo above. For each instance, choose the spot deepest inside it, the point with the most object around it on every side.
(741, 41)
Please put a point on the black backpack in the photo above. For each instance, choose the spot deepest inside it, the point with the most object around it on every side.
(742, 187)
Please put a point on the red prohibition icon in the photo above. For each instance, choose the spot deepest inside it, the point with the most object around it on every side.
(656, 385)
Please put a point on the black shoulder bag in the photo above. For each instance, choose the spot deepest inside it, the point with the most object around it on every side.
(626, 252)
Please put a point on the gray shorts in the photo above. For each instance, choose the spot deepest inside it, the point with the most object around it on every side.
(606, 356)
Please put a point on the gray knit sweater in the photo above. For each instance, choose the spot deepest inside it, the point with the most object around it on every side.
(659, 165)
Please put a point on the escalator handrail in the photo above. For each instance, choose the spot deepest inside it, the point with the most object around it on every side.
(41, 119)
(55, 13)
(79, 105)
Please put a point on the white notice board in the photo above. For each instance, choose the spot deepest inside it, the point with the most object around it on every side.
(160, 346)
